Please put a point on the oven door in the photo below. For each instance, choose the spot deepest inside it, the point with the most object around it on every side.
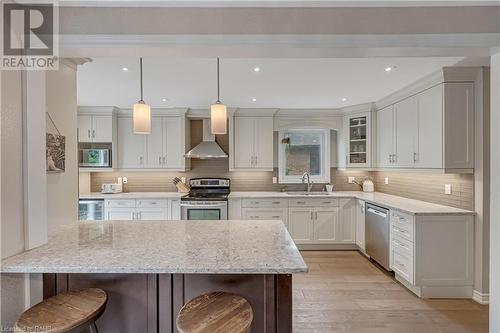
(204, 210)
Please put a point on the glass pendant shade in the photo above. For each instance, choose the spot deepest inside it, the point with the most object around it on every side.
(218, 117)
(142, 118)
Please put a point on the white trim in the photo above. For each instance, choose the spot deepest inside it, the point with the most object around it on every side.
(324, 178)
(481, 298)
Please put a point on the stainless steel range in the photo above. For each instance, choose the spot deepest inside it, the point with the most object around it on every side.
(207, 199)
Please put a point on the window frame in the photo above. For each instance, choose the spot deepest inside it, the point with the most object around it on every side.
(324, 177)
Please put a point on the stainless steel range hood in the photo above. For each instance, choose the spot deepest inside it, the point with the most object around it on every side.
(208, 148)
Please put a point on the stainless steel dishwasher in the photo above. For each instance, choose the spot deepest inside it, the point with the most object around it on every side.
(377, 234)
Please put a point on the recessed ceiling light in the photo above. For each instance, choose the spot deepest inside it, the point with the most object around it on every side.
(344, 99)
(256, 69)
(254, 99)
(164, 99)
(389, 68)
(125, 69)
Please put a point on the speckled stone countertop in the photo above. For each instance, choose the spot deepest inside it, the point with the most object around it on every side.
(229, 247)
(410, 206)
(132, 195)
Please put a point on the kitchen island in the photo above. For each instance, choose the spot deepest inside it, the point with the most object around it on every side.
(151, 268)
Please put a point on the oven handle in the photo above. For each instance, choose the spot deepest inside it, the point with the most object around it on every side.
(218, 204)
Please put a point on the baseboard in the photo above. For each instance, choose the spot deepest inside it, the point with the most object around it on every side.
(480, 297)
(319, 247)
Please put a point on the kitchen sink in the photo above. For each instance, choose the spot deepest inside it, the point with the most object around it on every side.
(302, 193)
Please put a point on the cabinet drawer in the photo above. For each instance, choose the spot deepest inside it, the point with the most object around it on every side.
(403, 265)
(264, 203)
(402, 246)
(402, 225)
(318, 202)
(152, 203)
(123, 203)
(264, 214)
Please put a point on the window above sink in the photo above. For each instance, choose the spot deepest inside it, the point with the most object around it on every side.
(304, 150)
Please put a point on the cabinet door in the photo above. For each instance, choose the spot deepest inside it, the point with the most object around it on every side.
(120, 214)
(265, 214)
(155, 142)
(358, 128)
(131, 147)
(244, 131)
(429, 147)
(300, 222)
(347, 221)
(385, 136)
(102, 128)
(174, 148)
(360, 224)
(152, 214)
(405, 114)
(263, 143)
(84, 128)
(175, 210)
(326, 225)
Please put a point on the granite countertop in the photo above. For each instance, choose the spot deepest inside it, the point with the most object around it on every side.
(132, 195)
(410, 206)
(228, 247)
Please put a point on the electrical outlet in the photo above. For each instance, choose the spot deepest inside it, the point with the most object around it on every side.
(351, 180)
(120, 180)
(447, 188)
(125, 180)
(386, 180)
(183, 179)
(275, 180)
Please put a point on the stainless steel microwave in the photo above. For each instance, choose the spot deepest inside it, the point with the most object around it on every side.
(100, 158)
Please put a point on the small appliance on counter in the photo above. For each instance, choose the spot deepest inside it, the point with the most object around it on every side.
(112, 188)
(368, 185)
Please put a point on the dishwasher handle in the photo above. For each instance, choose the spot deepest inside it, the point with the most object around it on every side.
(377, 212)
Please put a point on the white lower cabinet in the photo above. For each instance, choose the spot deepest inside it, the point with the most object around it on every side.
(266, 214)
(300, 225)
(432, 255)
(347, 221)
(360, 224)
(141, 209)
(326, 221)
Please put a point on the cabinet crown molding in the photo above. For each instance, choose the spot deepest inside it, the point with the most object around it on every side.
(97, 110)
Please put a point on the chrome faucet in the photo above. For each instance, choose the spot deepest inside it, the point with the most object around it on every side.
(309, 182)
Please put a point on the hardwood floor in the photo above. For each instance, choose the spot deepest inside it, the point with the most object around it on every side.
(345, 292)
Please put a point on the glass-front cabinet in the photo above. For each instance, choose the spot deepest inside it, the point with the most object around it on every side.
(358, 143)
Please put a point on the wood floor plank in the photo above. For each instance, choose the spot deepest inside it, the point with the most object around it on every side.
(345, 292)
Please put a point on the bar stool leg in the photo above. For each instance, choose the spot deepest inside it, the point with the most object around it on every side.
(93, 328)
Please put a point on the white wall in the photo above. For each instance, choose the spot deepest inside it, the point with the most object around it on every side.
(62, 188)
(495, 197)
(12, 227)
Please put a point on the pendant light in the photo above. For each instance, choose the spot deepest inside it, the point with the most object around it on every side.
(218, 112)
(142, 113)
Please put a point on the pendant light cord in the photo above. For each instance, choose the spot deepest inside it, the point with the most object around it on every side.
(218, 83)
(141, 78)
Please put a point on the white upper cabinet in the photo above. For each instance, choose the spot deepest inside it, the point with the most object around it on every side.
(385, 137)
(95, 128)
(429, 144)
(253, 143)
(359, 143)
(163, 149)
(432, 129)
(131, 147)
(405, 120)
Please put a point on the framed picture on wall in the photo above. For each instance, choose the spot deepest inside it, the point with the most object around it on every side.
(55, 152)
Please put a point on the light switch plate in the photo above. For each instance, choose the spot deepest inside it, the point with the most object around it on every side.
(351, 180)
(386, 180)
(447, 188)
(125, 180)
(275, 180)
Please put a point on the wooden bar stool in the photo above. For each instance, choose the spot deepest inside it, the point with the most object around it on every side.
(216, 312)
(69, 312)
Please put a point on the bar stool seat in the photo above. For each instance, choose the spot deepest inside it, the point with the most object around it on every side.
(66, 312)
(216, 312)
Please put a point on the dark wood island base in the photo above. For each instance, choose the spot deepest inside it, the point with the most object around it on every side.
(150, 302)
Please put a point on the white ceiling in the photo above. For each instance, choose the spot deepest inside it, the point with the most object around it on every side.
(281, 83)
